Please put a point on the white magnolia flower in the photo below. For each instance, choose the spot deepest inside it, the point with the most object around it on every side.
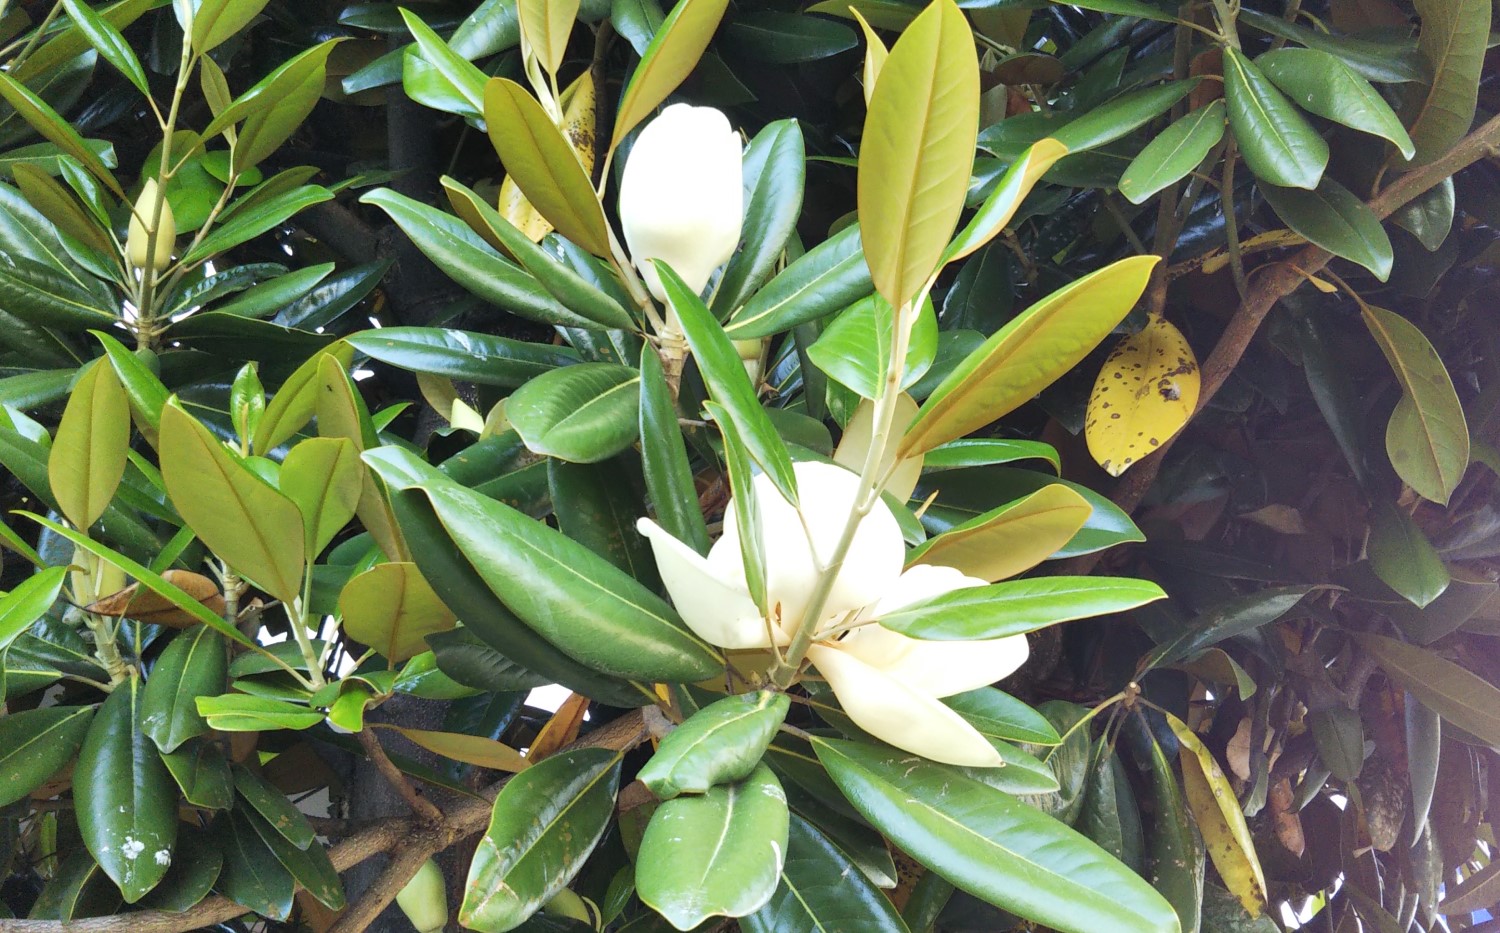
(888, 684)
(681, 195)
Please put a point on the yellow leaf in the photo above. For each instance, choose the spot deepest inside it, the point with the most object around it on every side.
(672, 55)
(88, 456)
(875, 55)
(472, 749)
(917, 150)
(1219, 817)
(296, 401)
(1145, 393)
(1025, 356)
(561, 729)
(341, 413)
(547, 25)
(1011, 539)
(1001, 205)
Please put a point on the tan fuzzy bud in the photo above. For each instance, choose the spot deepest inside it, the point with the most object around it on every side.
(141, 218)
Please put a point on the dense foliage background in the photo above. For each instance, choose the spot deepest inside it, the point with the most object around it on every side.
(1319, 182)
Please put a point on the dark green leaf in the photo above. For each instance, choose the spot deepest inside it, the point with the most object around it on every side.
(1278, 143)
(669, 476)
(461, 354)
(821, 891)
(1321, 83)
(828, 277)
(1454, 37)
(582, 413)
(1174, 153)
(719, 744)
(195, 664)
(776, 162)
(202, 773)
(36, 744)
(1336, 220)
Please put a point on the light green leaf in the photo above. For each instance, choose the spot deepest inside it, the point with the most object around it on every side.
(215, 21)
(107, 40)
(391, 608)
(1174, 153)
(456, 70)
(1119, 117)
(1019, 606)
(1026, 355)
(855, 349)
(1001, 204)
(241, 517)
(239, 712)
(547, 25)
(88, 455)
(673, 53)
(917, 149)
(29, 601)
(582, 413)
(1403, 558)
(322, 475)
(717, 854)
(53, 128)
(295, 402)
(830, 276)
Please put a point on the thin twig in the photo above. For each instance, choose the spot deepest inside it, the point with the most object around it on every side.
(419, 805)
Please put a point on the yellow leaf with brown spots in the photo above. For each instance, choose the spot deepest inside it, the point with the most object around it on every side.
(1145, 393)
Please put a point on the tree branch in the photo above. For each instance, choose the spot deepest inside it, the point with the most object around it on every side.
(465, 819)
(419, 805)
(1273, 283)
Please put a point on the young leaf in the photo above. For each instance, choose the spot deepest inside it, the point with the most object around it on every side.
(673, 53)
(1026, 355)
(295, 402)
(463, 76)
(88, 455)
(391, 608)
(1121, 116)
(322, 475)
(1146, 392)
(53, 128)
(547, 25)
(1001, 204)
(471, 749)
(215, 21)
(1018, 606)
(916, 151)
(107, 40)
(1278, 143)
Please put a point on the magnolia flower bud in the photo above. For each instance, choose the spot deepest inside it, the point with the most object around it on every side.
(140, 230)
(681, 196)
(424, 900)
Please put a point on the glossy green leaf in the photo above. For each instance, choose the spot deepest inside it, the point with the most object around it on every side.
(987, 451)
(238, 712)
(78, 889)
(252, 876)
(322, 476)
(471, 262)
(1462, 698)
(39, 294)
(1018, 606)
(673, 53)
(88, 454)
(1109, 815)
(1278, 144)
(717, 854)
(1403, 558)
(582, 413)
(1453, 39)
(1174, 153)
(127, 802)
(597, 507)
(557, 277)
(215, 21)
(273, 109)
(53, 128)
(202, 774)
(546, 821)
(106, 39)
(721, 743)
(254, 219)
(728, 383)
(295, 402)
(241, 517)
(997, 714)
(195, 664)
(1120, 117)
(310, 866)
(592, 610)
(542, 161)
(29, 601)
(1333, 218)
(1340, 738)
(776, 161)
(1010, 538)
(1429, 216)
(964, 497)
(746, 504)
(459, 354)
(391, 608)
(1427, 437)
(36, 744)
(828, 277)
(855, 349)
(1388, 60)
(279, 813)
(144, 389)
(1321, 83)
(821, 892)
(192, 875)
(669, 475)
(916, 151)
(1178, 856)
(1234, 616)
(993, 846)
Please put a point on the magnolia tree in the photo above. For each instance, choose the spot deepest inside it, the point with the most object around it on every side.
(739, 501)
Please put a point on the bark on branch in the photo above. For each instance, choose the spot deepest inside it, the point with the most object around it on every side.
(414, 840)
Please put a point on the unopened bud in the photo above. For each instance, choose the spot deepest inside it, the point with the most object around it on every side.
(141, 218)
(424, 900)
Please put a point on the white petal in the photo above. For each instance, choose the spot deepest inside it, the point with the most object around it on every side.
(937, 668)
(856, 443)
(682, 195)
(717, 608)
(924, 581)
(892, 712)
